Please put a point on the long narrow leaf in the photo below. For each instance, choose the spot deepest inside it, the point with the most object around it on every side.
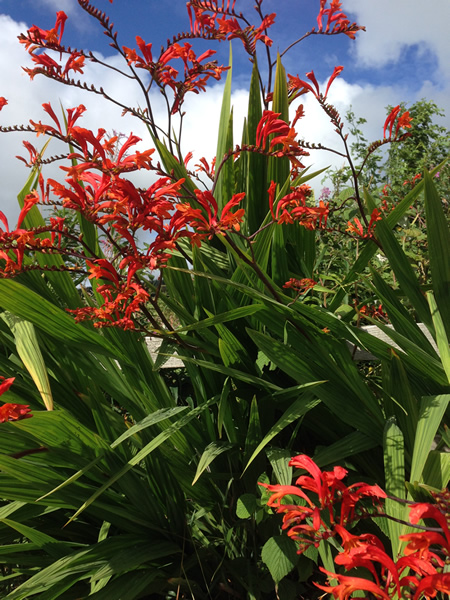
(438, 236)
(394, 469)
(28, 350)
(432, 410)
(150, 447)
(297, 410)
(441, 335)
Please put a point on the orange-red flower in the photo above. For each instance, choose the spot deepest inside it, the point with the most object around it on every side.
(301, 285)
(300, 86)
(3, 102)
(337, 21)
(317, 520)
(212, 224)
(357, 228)
(6, 384)
(9, 411)
(14, 412)
(403, 122)
(347, 585)
(425, 510)
(270, 124)
(432, 584)
(293, 207)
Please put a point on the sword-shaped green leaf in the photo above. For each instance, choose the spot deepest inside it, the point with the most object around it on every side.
(30, 353)
(394, 469)
(223, 139)
(432, 410)
(438, 237)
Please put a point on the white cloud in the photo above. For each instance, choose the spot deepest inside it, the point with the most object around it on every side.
(396, 25)
(25, 98)
(68, 6)
(202, 111)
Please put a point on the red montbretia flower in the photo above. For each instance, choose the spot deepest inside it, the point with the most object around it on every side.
(403, 122)
(270, 124)
(211, 223)
(299, 86)
(3, 102)
(10, 411)
(347, 585)
(432, 584)
(14, 412)
(357, 228)
(306, 524)
(300, 285)
(337, 21)
(6, 384)
(293, 207)
(322, 506)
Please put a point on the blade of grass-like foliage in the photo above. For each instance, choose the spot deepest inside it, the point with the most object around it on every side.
(121, 554)
(223, 138)
(256, 200)
(394, 469)
(353, 443)
(52, 546)
(29, 352)
(153, 419)
(232, 351)
(227, 173)
(437, 470)
(11, 508)
(278, 172)
(33, 218)
(61, 428)
(62, 281)
(278, 168)
(404, 406)
(254, 433)
(414, 355)
(438, 237)
(179, 284)
(173, 165)
(402, 321)
(280, 268)
(150, 447)
(370, 249)
(441, 335)
(205, 294)
(233, 373)
(401, 266)
(297, 410)
(212, 451)
(230, 315)
(326, 555)
(432, 410)
(341, 391)
(120, 586)
(26, 304)
(279, 461)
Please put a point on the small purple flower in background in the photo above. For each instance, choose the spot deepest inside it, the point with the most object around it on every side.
(325, 193)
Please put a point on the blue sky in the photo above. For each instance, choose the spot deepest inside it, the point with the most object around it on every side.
(403, 56)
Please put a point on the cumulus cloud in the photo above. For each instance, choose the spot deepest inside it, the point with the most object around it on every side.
(25, 98)
(395, 26)
(202, 111)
